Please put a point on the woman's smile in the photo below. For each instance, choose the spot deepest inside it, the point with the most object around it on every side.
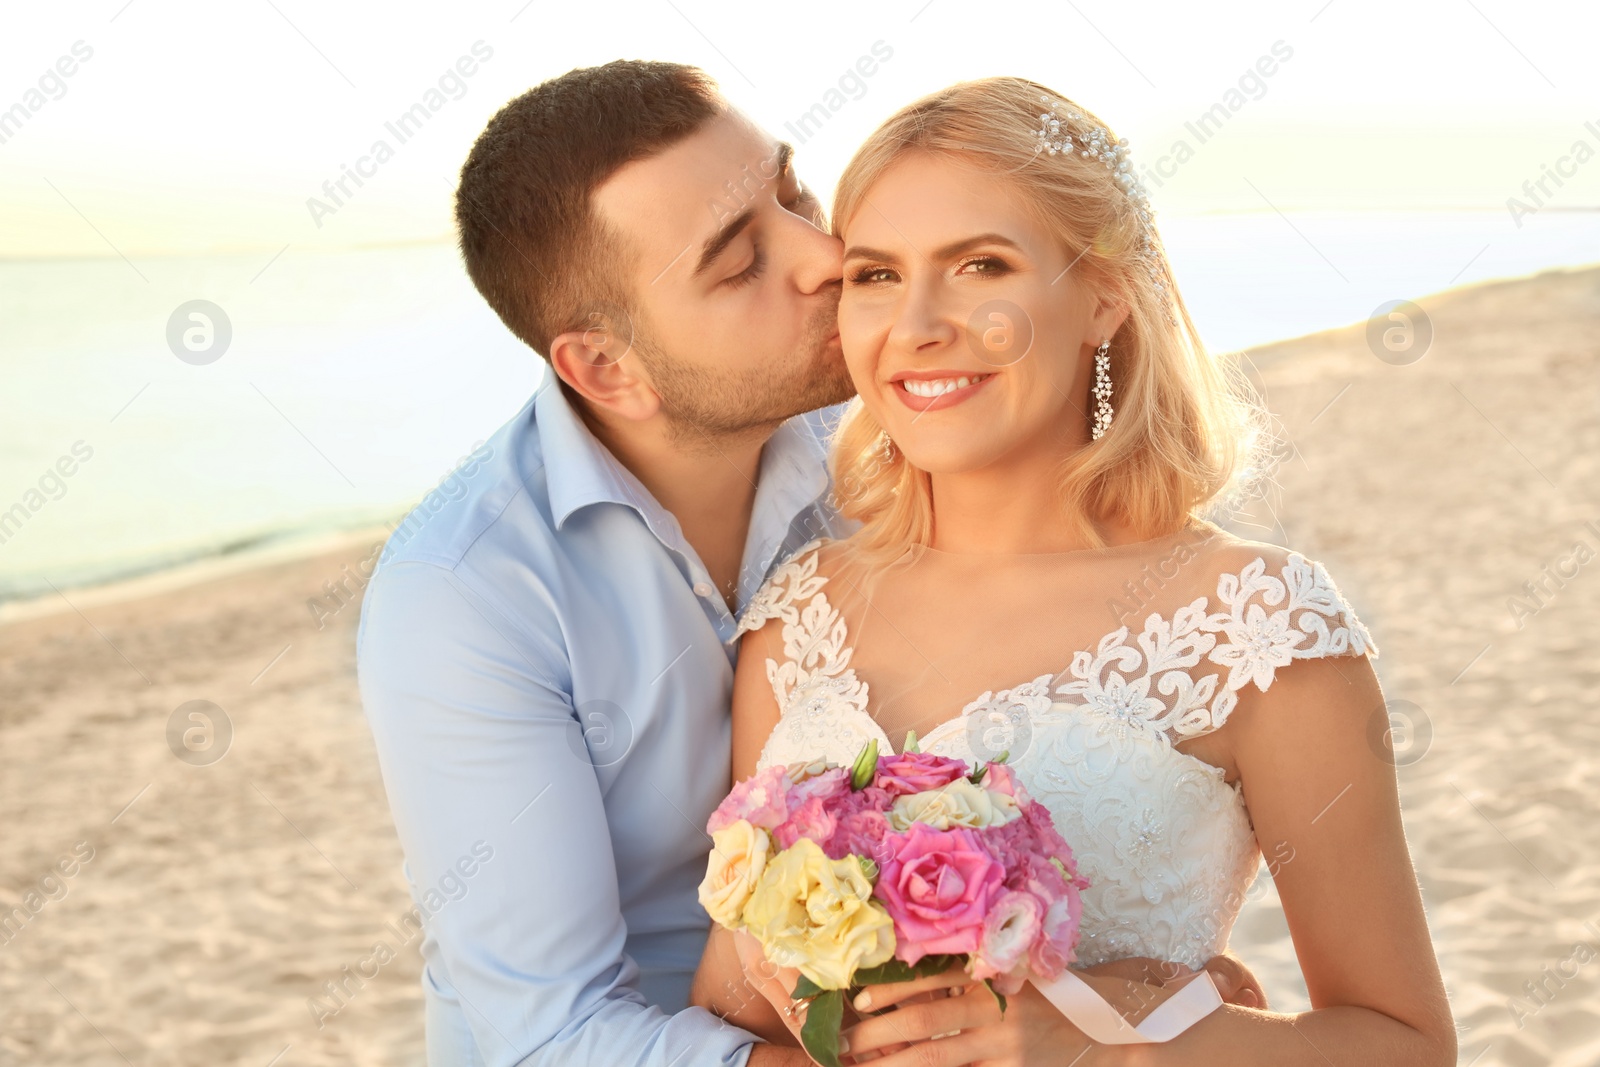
(927, 390)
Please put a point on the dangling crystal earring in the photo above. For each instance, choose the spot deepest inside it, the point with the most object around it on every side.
(1102, 390)
(886, 447)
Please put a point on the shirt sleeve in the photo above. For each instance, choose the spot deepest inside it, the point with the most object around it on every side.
(475, 736)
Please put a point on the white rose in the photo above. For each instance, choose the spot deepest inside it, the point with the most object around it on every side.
(960, 803)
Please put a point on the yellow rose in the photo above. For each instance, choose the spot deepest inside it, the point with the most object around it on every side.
(960, 803)
(738, 858)
(818, 916)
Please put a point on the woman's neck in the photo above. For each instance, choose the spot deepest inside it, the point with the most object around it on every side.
(995, 511)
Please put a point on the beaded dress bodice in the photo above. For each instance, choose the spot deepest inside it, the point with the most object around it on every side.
(1165, 841)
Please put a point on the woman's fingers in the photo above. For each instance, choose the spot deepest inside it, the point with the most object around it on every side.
(1235, 982)
(888, 994)
(954, 1051)
(916, 1022)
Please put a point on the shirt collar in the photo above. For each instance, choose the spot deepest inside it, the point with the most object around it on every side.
(581, 471)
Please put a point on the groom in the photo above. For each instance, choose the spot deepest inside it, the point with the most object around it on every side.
(546, 662)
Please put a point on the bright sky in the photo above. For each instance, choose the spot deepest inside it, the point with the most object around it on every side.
(196, 126)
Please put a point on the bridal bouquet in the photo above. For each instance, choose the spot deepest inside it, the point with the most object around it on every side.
(893, 868)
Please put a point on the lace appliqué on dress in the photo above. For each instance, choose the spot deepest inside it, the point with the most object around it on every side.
(1164, 840)
(1123, 681)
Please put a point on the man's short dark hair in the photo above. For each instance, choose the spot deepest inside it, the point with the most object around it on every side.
(529, 235)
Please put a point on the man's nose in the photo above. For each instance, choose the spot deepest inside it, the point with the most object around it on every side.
(821, 260)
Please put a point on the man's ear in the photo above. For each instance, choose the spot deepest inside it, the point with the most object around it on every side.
(600, 364)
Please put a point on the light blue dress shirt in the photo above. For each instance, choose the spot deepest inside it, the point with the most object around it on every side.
(547, 668)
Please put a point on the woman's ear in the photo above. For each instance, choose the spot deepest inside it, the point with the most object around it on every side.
(1111, 310)
(600, 364)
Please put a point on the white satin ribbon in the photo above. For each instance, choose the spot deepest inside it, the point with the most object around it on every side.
(1101, 1023)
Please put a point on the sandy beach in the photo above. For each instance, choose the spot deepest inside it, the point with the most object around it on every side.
(187, 911)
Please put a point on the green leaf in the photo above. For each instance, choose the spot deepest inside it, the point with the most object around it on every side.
(998, 996)
(976, 777)
(868, 868)
(899, 971)
(820, 1032)
(805, 987)
(911, 742)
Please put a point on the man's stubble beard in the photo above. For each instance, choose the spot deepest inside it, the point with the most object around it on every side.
(704, 407)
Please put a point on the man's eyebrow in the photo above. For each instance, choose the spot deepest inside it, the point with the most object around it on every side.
(722, 238)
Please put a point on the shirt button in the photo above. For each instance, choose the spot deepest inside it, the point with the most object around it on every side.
(703, 589)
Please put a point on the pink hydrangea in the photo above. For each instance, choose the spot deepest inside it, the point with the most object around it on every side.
(937, 886)
(811, 819)
(761, 800)
(861, 833)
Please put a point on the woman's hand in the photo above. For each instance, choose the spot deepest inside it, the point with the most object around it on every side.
(968, 1015)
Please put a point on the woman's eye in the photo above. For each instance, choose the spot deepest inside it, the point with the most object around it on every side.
(869, 275)
(983, 265)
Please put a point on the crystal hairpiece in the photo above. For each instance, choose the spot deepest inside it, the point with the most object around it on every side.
(1098, 142)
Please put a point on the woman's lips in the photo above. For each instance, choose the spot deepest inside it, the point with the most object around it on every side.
(947, 398)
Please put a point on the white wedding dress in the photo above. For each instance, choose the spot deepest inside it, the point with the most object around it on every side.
(1165, 842)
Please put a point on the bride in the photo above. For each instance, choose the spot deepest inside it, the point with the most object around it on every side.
(1037, 435)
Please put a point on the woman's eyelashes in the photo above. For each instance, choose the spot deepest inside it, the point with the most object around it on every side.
(991, 265)
(871, 275)
(986, 265)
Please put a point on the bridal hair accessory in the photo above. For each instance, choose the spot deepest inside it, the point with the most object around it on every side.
(1102, 389)
(1113, 152)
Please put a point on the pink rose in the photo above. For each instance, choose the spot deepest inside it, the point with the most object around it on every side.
(828, 785)
(811, 819)
(937, 886)
(761, 800)
(1002, 779)
(1014, 923)
(917, 772)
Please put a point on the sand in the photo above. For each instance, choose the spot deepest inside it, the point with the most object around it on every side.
(218, 898)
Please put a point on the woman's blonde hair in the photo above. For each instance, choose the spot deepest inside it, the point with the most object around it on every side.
(1186, 423)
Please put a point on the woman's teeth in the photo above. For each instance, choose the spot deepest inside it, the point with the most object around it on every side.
(936, 386)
